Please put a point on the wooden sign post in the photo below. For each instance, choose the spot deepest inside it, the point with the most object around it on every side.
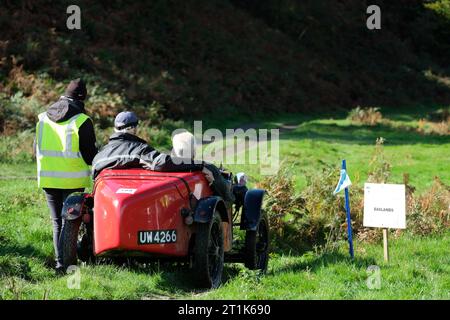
(385, 245)
(384, 207)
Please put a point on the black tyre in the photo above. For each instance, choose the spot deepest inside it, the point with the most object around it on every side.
(68, 240)
(256, 253)
(208, 254)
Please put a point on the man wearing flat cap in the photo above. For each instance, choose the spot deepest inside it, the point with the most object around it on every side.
(126, 150)
(65, 147)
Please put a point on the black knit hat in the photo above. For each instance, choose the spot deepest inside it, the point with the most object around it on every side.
(76, 89)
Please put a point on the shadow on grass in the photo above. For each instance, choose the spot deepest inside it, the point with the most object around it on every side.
(176, 278)
(304, 126)
(362, 134)
(15, 260)
(182, 280)
(27, 251)
(322, 261)
(179, 281)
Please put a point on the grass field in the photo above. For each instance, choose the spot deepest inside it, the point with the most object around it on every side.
(419, 269)
(315, 141)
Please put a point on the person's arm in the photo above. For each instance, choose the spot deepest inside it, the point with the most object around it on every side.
(218, 183)
(88, 148)
(154, 160)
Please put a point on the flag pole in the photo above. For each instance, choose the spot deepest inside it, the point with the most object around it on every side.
(349, 221)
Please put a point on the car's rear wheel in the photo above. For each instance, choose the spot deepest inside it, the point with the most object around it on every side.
(69, 238)
(208, 253)
(256, 254)
(76, 242)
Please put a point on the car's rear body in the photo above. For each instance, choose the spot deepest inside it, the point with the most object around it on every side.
(139, 213)
(133, 207)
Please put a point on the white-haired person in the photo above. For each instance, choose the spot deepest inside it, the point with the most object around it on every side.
(184, 147)
(126, 150)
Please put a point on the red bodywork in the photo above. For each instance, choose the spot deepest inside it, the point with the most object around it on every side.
(132, 200)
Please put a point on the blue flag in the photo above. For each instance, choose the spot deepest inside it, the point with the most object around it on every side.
(344, 182)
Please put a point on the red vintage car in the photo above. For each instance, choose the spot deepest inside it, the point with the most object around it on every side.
(147, 215)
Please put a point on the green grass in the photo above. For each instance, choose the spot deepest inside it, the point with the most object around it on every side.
(318, 141)
(419, 267)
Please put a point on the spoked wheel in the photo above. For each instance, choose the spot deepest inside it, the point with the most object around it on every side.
(257, 246)
(208, 254)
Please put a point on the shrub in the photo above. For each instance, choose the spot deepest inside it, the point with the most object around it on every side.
(429, 127)
(285, 210)
(430, 212)
(26, 95)
(18, 112)
(436, 122)
(442, 7)
(17, 148)
(315, 217)
(379, 167)
(23, 98)
(368, 116)
(326, 211)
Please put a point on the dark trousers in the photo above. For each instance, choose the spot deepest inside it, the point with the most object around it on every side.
(55, 201)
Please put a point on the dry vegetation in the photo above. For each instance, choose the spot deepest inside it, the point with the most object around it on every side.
(437, 122)
(368, 116)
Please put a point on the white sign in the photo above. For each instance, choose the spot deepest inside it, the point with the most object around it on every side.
(125, 190)
(384, 205)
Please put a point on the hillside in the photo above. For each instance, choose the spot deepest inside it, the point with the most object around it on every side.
(379, 99)
(178, 59)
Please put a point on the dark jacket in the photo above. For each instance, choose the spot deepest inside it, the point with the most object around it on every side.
(125, 150)
(220, 186)
(63, 110)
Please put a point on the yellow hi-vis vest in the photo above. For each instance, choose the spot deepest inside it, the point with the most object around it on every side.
(59, 161)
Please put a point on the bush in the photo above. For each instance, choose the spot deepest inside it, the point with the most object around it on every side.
(368, 116)
(102, 106)
(27, 95)
(430, 127)
(285, 210)
(441, 7)
(315, 217)
(23, 98)
(430, 212)
(17, 148)
(18, 112)
(379, 167)
(327, 211)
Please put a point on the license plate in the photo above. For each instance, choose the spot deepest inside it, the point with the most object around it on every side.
(157, 236)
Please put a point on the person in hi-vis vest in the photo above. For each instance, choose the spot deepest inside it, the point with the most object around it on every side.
(65, 147)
